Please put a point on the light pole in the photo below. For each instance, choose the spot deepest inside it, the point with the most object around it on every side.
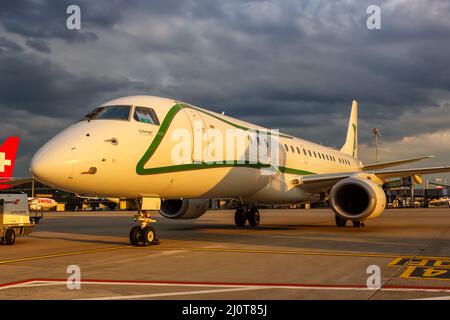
(376, 135)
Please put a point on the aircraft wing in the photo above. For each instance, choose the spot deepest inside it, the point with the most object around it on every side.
(322, 182)
(397, 173)
(439, 184)
(382, 165)
(14, 181)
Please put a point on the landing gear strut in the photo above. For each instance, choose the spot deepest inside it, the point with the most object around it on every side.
(244, 213)
(143, 234)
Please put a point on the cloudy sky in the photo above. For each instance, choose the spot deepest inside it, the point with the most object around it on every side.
(292, 65)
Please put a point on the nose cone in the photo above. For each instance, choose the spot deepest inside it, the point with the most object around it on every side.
(53, 164)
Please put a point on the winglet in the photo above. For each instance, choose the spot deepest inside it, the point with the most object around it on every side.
(350, 146)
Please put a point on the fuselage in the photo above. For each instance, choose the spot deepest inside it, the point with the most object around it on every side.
(131, 155)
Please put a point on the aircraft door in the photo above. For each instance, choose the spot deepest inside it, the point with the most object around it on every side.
(199, 135)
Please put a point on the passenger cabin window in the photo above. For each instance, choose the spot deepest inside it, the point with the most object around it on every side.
(298, 150)
(287, 149)
(146, 115)
(292, 149)
(109, 113)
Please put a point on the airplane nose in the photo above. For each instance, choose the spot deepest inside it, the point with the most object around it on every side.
(53, 164)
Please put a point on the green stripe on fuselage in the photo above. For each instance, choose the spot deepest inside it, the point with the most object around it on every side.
(140, 170)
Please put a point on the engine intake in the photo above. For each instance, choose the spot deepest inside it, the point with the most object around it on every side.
(183, 208)
(357, 199)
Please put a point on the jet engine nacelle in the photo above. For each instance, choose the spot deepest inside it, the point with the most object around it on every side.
(357, 199)
(183, 208)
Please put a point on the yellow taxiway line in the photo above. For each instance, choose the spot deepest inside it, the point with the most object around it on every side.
(228, 250)
(72, 253)
(63, 254)
(300, 252)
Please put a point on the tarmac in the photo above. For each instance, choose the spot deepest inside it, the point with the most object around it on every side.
(292, 254)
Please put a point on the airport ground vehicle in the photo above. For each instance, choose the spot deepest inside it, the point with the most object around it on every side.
(14, 217)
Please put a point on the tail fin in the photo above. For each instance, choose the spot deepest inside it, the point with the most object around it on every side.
(8, 151)
(351, 142)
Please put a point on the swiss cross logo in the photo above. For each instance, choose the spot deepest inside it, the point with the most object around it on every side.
(4, 162)
(8, 151)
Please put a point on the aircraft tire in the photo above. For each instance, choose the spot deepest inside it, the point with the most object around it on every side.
(240, 217)
(135, 235)
(358, 224)
(340, 222)
(253, 217)
(149, 235)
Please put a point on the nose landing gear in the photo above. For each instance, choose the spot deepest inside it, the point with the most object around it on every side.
(143, 234)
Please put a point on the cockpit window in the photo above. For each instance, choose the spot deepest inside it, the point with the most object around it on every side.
(146, 115)
(109, 113)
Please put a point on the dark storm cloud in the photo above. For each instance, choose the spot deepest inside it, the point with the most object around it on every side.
(296, 53)
(46, 19)
(293, 65)
(7, 45)
(39, 45)
(38, 86)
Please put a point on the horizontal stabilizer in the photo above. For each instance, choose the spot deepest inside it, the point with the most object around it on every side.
(382, 165)
(12, 182)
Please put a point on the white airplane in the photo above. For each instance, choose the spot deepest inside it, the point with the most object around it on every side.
(41, 204)
(126, 149)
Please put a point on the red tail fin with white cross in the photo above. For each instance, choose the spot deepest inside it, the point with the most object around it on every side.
(8, 151)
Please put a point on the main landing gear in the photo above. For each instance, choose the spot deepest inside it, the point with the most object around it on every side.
(250, 214)
(341, 222)
(144, 234)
